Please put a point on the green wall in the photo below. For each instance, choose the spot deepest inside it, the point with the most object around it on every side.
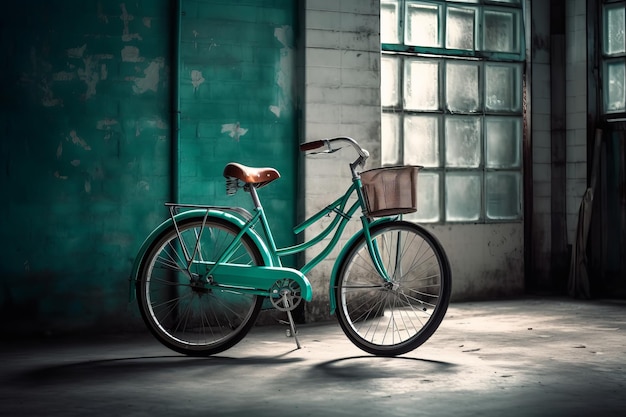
(86, 154)
(237, 102)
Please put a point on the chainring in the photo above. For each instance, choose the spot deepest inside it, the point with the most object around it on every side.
(285, 294)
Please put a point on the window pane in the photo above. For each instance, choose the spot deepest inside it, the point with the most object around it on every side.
(421, 140)
(389, 22)
(463, 198)
(460, 25)
(390, 81)
(421, 85)
(614, 23)
(422, 25)
(390, 139)
(502, 87)
(462, 87)
(502, 192)
(501, 31)
(503, 137)
(428, 201)
(463, 145)
(615, 98)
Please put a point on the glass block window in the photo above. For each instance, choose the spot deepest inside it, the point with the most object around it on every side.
(614, 57)
(451, 88)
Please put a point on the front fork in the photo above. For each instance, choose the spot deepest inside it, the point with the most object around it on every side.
(374, 250)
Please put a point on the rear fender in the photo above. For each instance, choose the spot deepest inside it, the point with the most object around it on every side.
(199, 213)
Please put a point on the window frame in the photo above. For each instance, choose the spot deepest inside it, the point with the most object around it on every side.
(608, 59)
(444, 56)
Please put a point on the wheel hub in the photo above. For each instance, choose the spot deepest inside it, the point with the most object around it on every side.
(389, 286)
(199, 287)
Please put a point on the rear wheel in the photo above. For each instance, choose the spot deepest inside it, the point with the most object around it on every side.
(178, 306)
(389, 318)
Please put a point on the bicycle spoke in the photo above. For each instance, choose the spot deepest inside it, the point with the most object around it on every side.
(168, 261)
(410, 298)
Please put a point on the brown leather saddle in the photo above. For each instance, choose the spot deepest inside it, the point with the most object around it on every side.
(259, 177)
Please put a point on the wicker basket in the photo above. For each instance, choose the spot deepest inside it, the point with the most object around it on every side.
(391, 190)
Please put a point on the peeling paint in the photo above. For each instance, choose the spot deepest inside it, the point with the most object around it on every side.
(59, 150)
(131, 54)
(275, 110)
(234, 130)
(90, 76)
(127, 18)
(106, 124)
(75, 162)
(63, 76)
(147, 22)
(151, 80)
(196, 79)
(284, 80)
(48, 99)
(59, 176)
(157, 123)
(77, 52)
(78, 141)
(195, 36)
(161, 124)
(87, 186)
(143, 185)
(101, 15)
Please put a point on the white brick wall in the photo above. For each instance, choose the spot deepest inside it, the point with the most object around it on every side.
(341, 98)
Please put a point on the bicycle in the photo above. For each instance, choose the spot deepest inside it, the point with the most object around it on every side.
(201, 277)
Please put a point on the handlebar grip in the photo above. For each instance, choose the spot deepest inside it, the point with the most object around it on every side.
(309, 146)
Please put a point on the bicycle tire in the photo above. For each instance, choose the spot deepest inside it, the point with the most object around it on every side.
(390, 319)
(180, 311)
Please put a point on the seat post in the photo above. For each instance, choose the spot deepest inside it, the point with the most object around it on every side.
(255, 196)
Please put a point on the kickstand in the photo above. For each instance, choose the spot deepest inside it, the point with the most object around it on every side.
(291, 323)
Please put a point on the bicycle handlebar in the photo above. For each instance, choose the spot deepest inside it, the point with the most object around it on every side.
(327, 143)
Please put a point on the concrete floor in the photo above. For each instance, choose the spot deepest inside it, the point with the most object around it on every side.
(531, 357)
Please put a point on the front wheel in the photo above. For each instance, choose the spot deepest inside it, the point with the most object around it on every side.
(392, 317)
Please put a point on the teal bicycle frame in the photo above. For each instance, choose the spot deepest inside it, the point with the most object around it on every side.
(248, 275)
(258, 280)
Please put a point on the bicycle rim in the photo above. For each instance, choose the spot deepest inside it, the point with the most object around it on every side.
(395, 317)
(181, 310)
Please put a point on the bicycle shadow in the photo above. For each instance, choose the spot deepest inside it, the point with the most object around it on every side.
(108, 370)
(375, 367)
